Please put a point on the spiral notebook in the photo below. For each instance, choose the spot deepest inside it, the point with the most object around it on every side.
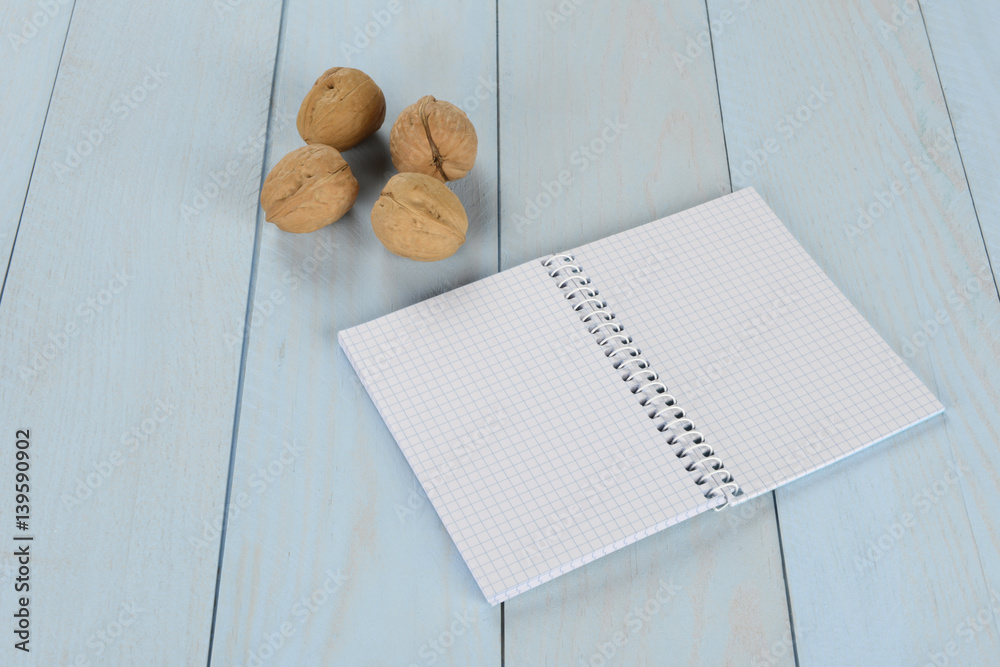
(575, 404)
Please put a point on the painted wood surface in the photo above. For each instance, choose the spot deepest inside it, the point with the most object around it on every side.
(30, 48)
(113, 321)
(834, 112)
(868, 126)
(967, 54)
(606, 123)
(333, 511)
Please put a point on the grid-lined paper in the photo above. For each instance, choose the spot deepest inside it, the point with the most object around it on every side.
(514, 424)
(768, 358)
(535, 453)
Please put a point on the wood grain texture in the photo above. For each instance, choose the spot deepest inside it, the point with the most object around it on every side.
(962, 36)
(30, 46)
(327, 491)
(112, 324)
(834, 112)
(122, 323)
(601, 131)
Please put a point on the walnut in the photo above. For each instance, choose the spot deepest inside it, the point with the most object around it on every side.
(435, 138)
(342, 109)
(418, 217)
(309, 188)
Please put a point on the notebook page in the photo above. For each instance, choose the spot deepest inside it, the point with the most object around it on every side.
(769, 359)
(518, 429)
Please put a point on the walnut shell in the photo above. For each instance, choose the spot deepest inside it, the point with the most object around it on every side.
(419, 218)
(435, 138)
(309, 188)
(343, 108)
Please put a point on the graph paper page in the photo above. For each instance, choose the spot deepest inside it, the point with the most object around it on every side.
(535, 453)
(768, 358)
(520, 433)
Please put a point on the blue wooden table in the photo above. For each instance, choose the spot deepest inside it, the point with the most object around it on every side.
(211, 483)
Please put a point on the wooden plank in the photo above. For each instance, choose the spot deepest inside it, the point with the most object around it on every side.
(834, 113)
(339, 499)
(31, 47)
(967, 54)
(113, 320)
(616, 103)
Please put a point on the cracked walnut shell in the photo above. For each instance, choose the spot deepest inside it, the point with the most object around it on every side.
(309, 188)
(343, 108)
(435, 138)
(419, 218)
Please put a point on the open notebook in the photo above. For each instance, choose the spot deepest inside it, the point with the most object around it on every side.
(570, 406)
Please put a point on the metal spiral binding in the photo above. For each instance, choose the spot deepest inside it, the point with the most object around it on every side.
(654, 396)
